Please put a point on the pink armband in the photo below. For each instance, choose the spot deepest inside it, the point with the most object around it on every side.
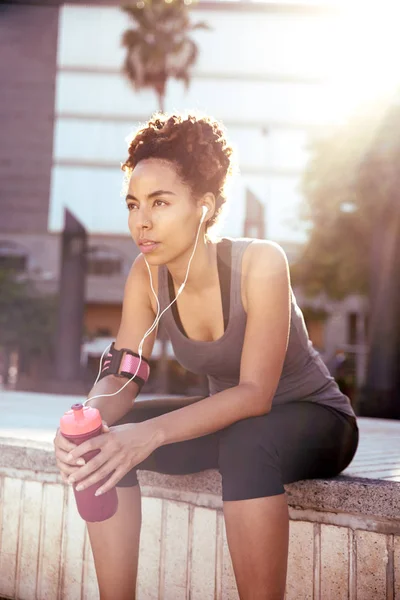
(125, 363)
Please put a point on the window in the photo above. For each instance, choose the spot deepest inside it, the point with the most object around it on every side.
(103, 332)
(352, 328)
(103, 261)
(13, 257)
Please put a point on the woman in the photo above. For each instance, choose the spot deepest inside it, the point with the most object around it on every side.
(274, 414)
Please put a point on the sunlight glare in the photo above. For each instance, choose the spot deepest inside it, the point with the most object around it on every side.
(361, 64)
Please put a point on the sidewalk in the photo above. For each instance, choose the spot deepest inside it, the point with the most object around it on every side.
(32, 416)
(378, 454)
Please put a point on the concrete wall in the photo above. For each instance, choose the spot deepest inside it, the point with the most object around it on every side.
(45, 551)
(344, 536)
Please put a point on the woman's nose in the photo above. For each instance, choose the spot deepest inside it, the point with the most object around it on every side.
(143, 219)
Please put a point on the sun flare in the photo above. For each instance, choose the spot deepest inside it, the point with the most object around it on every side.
(360, 65)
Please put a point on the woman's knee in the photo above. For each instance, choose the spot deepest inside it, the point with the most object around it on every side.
(245, 439)
(248, 460)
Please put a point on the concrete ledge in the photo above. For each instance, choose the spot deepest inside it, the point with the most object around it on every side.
(358, 496)
(344, 535)
(355, 495)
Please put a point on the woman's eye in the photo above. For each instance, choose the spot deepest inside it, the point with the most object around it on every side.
(131, 206)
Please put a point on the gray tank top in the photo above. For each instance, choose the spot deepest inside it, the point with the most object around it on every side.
(304, 375)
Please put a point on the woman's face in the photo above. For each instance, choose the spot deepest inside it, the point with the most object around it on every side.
(163, 217)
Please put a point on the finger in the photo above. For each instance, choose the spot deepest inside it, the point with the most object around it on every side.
(61, 455)
(95, 443)
(66, 469)
(56, 436)
(91, 466)
(61, 442)
(106, 428)
(98, 475)
(64, 478)
(110, 483)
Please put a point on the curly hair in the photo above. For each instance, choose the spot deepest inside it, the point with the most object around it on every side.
(196, 145)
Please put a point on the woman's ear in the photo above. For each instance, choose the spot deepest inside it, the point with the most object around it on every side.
(208, 201)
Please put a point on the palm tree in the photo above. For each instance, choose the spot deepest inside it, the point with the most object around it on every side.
(159, 47)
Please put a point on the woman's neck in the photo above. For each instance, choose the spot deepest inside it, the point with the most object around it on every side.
(203, 268)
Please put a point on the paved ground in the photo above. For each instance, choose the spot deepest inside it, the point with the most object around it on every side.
(34, 416)
(378, 454)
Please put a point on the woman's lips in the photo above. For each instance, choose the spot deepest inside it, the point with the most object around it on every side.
(148, 247)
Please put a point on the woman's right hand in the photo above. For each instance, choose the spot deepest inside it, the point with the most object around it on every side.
(62, 448)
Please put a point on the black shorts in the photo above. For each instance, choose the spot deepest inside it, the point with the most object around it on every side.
(256, 456)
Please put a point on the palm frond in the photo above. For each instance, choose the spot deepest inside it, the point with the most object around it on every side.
(201, 25)
(131, 38)
(159, 46)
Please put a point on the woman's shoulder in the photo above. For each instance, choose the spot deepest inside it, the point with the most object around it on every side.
(256, 244)
(262, 255)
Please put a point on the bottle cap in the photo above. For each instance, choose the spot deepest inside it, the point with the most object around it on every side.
(80, 420)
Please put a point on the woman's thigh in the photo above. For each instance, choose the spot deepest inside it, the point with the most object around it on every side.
(294, 441)
(312, 440)
(302, 440)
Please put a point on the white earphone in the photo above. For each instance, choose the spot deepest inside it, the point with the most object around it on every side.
(158, 315)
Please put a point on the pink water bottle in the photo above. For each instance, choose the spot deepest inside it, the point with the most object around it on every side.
(78, 425)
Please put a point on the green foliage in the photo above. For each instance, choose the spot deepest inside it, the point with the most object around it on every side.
(351, 180)
(159, 47)
(310, 313)
(27, 319)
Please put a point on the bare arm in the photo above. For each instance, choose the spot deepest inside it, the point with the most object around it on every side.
(137, 317)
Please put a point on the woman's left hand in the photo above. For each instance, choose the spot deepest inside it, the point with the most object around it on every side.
(121, 448)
